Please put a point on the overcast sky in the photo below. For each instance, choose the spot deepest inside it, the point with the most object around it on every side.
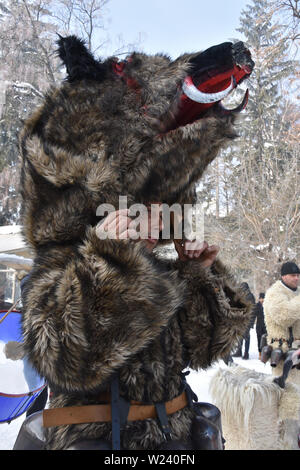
(172, 26)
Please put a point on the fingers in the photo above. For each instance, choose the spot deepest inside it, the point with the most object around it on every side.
(193, 249)
(209, 255)
(147, 227)
(114, 226)
(180, 249)
(213, 251)
(214, 248)
(155, 222)
(113, 216)
(197, 250)
(119, 225)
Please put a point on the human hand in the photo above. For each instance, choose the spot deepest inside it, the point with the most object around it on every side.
(148, 225)
(118, 225)
(197, 250)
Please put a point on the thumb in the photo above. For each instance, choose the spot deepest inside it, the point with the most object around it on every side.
(180, 249)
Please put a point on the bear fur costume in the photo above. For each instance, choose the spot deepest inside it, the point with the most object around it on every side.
(96, 307)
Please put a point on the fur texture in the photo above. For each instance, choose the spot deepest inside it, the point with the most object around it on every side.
(95, 307)
(256, 413)
(282, 310)
(96, 139)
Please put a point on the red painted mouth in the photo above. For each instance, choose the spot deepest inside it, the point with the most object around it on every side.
(214, 74)
(189, 110)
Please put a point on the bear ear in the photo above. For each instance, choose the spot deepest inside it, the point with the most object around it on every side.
(79, 61)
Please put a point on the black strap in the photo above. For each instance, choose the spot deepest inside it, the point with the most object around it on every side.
(191, 395)
(119, 413)
(115, 415)
(163, 419)
(120, 409)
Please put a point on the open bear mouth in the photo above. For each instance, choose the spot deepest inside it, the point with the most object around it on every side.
(215, 73)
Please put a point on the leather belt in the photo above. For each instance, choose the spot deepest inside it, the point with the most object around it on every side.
(102, 413)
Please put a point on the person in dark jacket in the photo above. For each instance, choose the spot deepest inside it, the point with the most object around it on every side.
(250, 298)
(260, 320)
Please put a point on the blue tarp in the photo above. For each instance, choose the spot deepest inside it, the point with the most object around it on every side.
(12, 405)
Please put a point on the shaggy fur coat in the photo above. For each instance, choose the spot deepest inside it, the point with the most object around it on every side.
(256, 413)
(282, 311)
(95, 307)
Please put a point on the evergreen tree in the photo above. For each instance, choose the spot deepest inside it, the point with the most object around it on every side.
(263, 127)
(259, 219)
(266, 156)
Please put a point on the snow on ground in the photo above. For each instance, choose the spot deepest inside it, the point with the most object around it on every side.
(199, 381)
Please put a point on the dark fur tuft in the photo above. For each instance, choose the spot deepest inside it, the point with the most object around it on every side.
(79, 61)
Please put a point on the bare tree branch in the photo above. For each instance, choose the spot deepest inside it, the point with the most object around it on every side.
(36, 35)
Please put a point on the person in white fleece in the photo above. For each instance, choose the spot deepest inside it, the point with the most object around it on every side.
(282, 315)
